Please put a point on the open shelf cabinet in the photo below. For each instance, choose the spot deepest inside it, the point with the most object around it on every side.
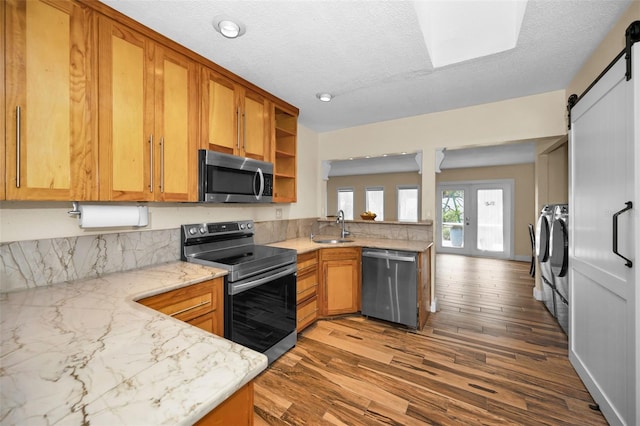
(285, 137)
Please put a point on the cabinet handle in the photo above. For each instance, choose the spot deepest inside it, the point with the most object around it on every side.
(190, 308)
(162, 164)
(150, 163)
(18, 116)
(244, 131)
(629, 206)
(238, 128)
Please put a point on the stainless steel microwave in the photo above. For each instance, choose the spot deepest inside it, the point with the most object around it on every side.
(224, 178)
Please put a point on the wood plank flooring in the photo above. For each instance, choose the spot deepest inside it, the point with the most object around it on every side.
(492, 355)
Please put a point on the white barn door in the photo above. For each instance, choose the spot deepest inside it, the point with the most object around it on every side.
(603, 302)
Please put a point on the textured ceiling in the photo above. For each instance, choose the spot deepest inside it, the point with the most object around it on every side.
(371, 54)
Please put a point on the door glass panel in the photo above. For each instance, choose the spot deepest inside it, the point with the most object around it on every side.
(490, 220)
(452, 218)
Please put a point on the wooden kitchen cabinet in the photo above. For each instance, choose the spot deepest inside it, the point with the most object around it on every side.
(148, 118)
(340, 280)
(285, 129)
(424, 287)
(236, 410)
(50, 82)
(235, 120)
(307, 290)
(201, 305)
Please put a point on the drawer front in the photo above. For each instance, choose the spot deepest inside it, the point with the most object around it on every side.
(188, 302)
(340, 253)
(307, 284)
(307, 259)
(307, 313)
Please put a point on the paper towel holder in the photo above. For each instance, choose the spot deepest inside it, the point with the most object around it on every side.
(76, 209)
(137, 216)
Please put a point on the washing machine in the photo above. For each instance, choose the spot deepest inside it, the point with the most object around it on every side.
(543, 236)
(559, 259)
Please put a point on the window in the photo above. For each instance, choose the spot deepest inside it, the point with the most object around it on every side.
(407, 203)
(374, 201)
(345, 202)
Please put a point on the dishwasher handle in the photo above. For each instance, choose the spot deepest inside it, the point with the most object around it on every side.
(388, 256)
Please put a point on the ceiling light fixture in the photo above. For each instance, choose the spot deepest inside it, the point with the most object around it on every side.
(324, 97)
(228, 27)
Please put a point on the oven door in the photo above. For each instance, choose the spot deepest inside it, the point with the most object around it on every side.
(260, 312)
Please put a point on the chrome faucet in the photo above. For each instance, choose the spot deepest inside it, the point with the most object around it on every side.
(340, 220)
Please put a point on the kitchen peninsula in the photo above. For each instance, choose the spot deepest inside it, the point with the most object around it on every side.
(85, 352)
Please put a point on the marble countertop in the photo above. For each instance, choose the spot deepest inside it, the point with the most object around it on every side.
(85, 353)
(304, 245)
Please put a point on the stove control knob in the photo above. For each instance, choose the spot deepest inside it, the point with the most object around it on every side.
(248, 226)
(193, 230)
(242, 226)
(203, 230)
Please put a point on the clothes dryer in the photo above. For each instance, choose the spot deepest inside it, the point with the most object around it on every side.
(543, 235)
(559, 259)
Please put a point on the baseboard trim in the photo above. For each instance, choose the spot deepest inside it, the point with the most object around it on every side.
(537, 294)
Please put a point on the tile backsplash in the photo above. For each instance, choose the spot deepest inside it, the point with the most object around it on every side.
(37, 263)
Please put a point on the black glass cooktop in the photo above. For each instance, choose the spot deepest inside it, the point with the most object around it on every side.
(238, 256)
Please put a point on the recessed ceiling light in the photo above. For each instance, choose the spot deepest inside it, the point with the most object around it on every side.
(324, 97)
(228, 27)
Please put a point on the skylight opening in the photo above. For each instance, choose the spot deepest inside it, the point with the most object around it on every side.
(459, 30)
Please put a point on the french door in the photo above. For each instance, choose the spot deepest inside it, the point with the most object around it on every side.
(475, 218)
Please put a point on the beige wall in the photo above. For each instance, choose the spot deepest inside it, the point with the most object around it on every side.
(612, 44)
(526, 118)
(558, 161)
(524, 191)
(389, 181)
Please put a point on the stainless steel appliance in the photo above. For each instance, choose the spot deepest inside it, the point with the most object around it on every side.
(390, 285)
(543, 236)
(224, 178)
(559, 259)
(260, 289)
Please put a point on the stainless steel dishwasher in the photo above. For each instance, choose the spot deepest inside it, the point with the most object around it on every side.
(390, 285)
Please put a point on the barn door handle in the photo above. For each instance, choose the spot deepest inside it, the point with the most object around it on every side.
(629, 206)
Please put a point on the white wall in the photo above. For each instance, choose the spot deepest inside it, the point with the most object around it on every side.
(27, 220)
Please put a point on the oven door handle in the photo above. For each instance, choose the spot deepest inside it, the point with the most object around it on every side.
(239, 288)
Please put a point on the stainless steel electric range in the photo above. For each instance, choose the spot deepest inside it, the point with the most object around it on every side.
(260, 289)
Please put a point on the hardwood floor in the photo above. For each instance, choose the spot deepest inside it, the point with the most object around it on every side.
(491, 355)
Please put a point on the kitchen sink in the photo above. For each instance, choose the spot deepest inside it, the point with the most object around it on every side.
(333, 240)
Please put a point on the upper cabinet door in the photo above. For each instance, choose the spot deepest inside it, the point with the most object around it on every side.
(234, 119)
(126, 113)
(220, 129)
(148, 119)
(176, 127)
(51, 139)
(255, 126)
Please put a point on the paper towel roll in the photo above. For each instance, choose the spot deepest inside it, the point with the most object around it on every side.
(99, 216)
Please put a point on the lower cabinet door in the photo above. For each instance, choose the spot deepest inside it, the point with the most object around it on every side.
(307, 313)
(237, 410)
(211, 322)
